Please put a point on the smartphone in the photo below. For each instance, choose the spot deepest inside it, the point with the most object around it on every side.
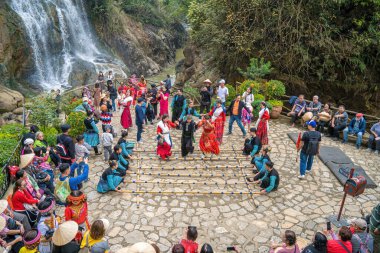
(231, 248)
(328, 225)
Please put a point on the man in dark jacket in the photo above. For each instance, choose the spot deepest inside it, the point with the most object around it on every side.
(153, 94)
(140, 117)
(235, 110)
(31, 135)
(113, 95)
(206, 94)
(68, 145)
(178, 105)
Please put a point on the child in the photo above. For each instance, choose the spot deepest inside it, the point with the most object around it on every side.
(31, 241)
(47, 224)
(40, 162)
(120, 97)
(82, 149)
(105, 117)
(76, 210)
(107, 140)
(126, 146)
(188, 241)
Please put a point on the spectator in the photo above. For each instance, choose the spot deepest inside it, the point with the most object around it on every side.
(314, 106)
(113, 95)
(288, 245)
(28, 146)
(356, 127)
(31, 134)
(10, 232)
(206, 248)
(94, 239)
(105, 117)
(310, 145)
(206, 95)
(319, 244)
(63, 238)
(222, 92)
(153, 94)
(268, 181)
(374, 228)
(339, 122)
(248, 99)
(110, 76)
(324, 117)
(298, 109)
(361, 240)
(340, 243)
(178, 248)
(178, 104)
(140, 117)
(41, 143)
(21, 219)
(47, 224)
(374, 137)
(107, 140)
(235, 110)
(168, 82)
(188, 241)
(82, 149)
(65, 145)
(31, 241)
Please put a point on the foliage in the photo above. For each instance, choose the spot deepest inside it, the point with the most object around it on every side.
(274, 89)
(13, 130)
(256, 107)
(191, 92)
(75, 120)
(275, 103)
(259, 97)
(9, 137)
(146, 11)
(50, 136)
(255, 86)
(69, 106)
(257, 68)
(99, 9)
(44, 112)
(231, 94)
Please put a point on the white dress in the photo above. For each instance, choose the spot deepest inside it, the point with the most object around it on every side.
(165, 132)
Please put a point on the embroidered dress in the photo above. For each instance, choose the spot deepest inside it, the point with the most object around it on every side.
(78, 214)
(164, 103)
(126, 118)
(208, 142)
(218, 118)
(245, 116)
(91, 136)
(164, 148)
(262, 126)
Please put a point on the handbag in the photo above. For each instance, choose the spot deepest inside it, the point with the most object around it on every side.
(86, 248)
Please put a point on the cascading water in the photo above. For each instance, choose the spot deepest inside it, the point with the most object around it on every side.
(60, 35)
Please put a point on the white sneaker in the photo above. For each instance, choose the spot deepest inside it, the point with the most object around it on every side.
(301, 176)
(308, 171)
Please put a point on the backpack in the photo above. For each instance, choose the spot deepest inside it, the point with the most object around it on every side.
(61, 149)
(363, 245)
(62, 189)
(313, 144)
(292, 100)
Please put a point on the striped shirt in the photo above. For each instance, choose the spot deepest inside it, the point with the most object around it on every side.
(105, 117)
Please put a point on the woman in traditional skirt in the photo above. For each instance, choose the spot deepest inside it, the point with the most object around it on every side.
(126, 118)
(126, 146)
(248, 99)
(163, 98)
(218, 118)
(91, 135)
(77, 210)
(97, 95)
(164, 140)
(110, 179)
(208, 142)
(262, 124)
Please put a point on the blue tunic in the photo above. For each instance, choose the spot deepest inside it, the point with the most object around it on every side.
(91, 136)
(108, 181)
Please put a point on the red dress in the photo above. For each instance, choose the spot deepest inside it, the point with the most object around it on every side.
(262, 127)
(164, 148)
(218, 124)
(126, 118)
(208, 142)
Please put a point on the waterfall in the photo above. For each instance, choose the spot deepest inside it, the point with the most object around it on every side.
(60, 34)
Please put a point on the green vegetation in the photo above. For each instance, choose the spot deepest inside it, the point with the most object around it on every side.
(257, 68)
(9, 137)
(44, 112)
(75, 120)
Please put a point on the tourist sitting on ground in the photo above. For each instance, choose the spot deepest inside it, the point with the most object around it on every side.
(22, 199)
(319, 244)
(298, 109)
(28, 147)
(178, 248)
(374, 138)
(140, 247)
(40, 162)
(189, 110)
(260, 161)
(340, 243)
(63, 238)
(10, 230)
(31, 184)
(77, 210)
(41, 143)
(361, 240)
(19, 219)
(122, 164)
(188, 240)
(252, 145)
(288, 245)
(94, 239)
(82, 149)
(338, 123)
(374, 227)
(126, 146)
(47, 224)
(356, 127)
(324, 118)
(270, 180)
(314, 106)
(31, 134)
(31, 240)
(110, 179)
(65, 145)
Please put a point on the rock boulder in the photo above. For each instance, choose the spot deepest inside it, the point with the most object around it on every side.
(9, 99)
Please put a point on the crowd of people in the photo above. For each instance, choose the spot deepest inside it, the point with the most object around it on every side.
(50, 176)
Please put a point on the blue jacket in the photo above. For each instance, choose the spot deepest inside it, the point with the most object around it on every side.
(75, 181)
(362, 125)
(140, 116)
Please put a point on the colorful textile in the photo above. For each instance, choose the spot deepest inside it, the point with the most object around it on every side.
(218, 118)
(91, 135)
(208, 142)
(262, 126)
(164, 103)
(245, 117)
(126, 118)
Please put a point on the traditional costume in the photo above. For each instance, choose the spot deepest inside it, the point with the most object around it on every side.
(47, 224)
(188, 129)
(126, 147)
(246, 116)
(126, 118)
(164, 103)
(208, 142)
(262, 126)
(109, 181)
(91, 135)
(178, 105)
(77, 213)
(165, 144)
(218, 117)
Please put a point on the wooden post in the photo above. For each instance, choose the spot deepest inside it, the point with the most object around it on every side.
(344, 196)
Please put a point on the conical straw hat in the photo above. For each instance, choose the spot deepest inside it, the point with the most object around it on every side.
(25, 160)
(65, 233)
(3, 205)
(207, 81)
(140, 247)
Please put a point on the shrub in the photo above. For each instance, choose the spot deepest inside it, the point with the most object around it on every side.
(68, 107)
(274, 89)
(255, 86)
(275, 103)
(256, 107)
(10, 135)
(259, 97)
(76, 121)
(50, 136)
(231, 94)
(257, 68)
(191, 92)
(44, 112)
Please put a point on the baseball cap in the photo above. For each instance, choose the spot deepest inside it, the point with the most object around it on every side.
(360, 223)
(222, 81)
(312, 123)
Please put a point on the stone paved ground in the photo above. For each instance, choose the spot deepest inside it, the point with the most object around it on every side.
(224, 220)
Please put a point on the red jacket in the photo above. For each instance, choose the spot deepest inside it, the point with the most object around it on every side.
(190, 246)
(20, 198)
(334, 247)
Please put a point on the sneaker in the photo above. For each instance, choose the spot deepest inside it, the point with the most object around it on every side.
(140, 142)
(229, 133)
(308, 171)
(301, 177)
